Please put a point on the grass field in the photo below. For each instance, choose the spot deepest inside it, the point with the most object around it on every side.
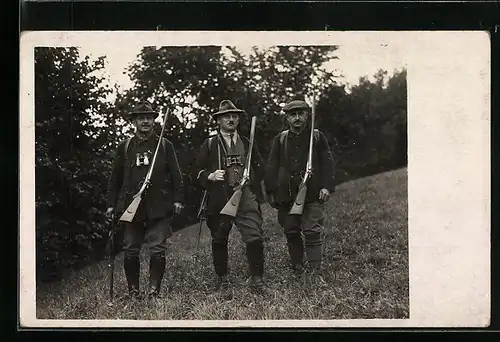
(366, 266)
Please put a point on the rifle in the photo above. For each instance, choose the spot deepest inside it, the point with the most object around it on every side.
(112, 254)
(298, 204)
(129, 214)
(201, 216)
(232, 205)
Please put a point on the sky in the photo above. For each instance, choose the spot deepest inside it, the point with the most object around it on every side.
(355, 60)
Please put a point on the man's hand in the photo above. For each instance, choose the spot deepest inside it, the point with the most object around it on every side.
(178, 207)
(324, 194)
(110, 213)
(217, 175)
(272, 201)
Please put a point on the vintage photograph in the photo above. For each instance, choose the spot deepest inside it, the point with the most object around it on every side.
(237, 180)
(312, 224)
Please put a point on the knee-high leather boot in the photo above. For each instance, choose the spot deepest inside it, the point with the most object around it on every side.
(220, 257)
(131, 265)
(296, 252)
(255, 257)
(156, 272)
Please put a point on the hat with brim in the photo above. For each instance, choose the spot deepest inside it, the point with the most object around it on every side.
(295, 105)
(226, 107)
(141, 109)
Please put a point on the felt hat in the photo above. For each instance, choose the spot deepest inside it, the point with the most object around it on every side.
(225, 107)
(142, 108)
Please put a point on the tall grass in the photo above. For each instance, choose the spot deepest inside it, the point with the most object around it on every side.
(365, 265)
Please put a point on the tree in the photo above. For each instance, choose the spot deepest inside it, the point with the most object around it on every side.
(367, 124)
(71, 162)
(193, 80)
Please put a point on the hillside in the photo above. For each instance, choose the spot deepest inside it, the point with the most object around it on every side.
(366, 263)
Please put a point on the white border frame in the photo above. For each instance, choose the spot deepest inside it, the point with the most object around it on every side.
(448, 170)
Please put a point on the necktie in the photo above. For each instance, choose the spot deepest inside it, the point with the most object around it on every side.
(232, 146)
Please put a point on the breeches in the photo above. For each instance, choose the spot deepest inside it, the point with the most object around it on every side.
(153, 234)
(310, 223)
(248, 220)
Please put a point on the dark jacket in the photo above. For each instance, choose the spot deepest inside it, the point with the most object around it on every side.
(166, 180)
(284, 173)
(220, 192)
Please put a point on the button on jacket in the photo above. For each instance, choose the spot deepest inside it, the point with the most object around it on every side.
(126, 178)
(284, 172)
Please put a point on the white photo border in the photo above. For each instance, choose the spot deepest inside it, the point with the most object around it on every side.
(448, 170)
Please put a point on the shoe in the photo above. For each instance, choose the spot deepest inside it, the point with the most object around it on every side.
(134, 293)
(298, 270)
(257, 284)
(153, 293)
(156, 271)
(132, 271)
(316, 279)
(222, 283)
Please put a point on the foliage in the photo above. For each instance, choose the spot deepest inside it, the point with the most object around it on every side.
(71, 166)
(366, 126)
(366, 265)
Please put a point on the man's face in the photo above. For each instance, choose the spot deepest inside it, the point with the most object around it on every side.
(144, 122)
(297, 118)
(228, 122)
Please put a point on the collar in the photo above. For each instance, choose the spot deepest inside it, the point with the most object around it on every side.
(228, 136)
(306, 129)
(151, 138)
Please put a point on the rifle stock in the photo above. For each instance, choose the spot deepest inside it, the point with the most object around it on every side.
(231, 207)
(298, 204)
(129, 214)
(112, 259)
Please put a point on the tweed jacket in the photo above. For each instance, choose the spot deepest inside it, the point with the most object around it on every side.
(220, 192)
(166, 186)
(284, 172)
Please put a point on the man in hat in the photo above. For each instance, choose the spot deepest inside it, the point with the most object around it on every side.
(163, 198)
(284, 171)
(220, 163)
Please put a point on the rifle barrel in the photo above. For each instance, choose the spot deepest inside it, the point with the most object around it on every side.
(112, 257)
(250, 149)
(232, 205)
(298, 205)
(150, 171)
(311, 138)
(129, 213)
